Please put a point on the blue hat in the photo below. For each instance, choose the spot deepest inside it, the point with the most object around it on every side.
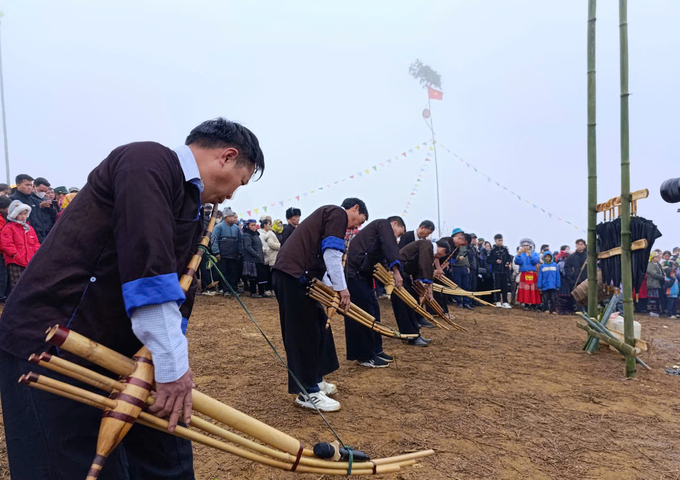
(251, 220)
(456, 230)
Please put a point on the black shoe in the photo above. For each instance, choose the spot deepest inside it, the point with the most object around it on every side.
(418, 342)
(469, 307)
(424, 323)
(255, 295)
(386, 357)
(376, 362)
(426, 340)
(227, 294)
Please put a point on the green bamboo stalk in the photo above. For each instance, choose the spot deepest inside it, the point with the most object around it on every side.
(592, 165)
(626, 263)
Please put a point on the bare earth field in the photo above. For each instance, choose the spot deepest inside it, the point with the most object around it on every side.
(515, 397)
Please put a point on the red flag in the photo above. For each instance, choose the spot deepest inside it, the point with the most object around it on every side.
(434, 94)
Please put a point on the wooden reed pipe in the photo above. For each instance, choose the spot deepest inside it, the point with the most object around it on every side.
(188, 277)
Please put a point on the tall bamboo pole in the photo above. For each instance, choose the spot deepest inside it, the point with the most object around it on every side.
(592, 165)
(436, 167)
(626, 263)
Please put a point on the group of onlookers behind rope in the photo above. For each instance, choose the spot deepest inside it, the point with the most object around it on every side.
(28, 211)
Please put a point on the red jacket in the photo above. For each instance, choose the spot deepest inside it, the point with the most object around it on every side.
(3, 222)
(18, 245)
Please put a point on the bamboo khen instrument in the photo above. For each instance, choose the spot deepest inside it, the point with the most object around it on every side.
(386, 277)
(421, 290)
(330, 299)
(130, 395)
(454, 289)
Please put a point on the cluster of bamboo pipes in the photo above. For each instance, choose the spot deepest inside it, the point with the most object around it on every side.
(386, 277)
(421, 290)
(277, 449)
(330, 299)
(447, 287)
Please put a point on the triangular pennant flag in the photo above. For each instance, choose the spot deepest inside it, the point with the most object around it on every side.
(404, 154)
(249, 213)
(497, 183)
(351, 176)
(336, 182)
(256, 210)
(504, 188)
(559, 219)
(567, 222)
(305, 195)
(412, 193)
(265, 209)
(382, 164)
(320, 188)
(281, 203)
(431, 148)
(519, 197)
(272, 205)
(527, 201)
(542, 210)
(328, 186)
(389, 160)
(344, 179)
(312, 191)
(410, 150)
(375, 167)
(367, 171)
(359, 173)
(534, 205)
(466, 163)
(550, 214)
(419, 180)
(424, 143)
(298, 197)
(418, 147)
(475, 169)
(427, 159)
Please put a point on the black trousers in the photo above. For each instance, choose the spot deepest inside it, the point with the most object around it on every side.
(407, 319)
(54, 438)
(229, 268)
(500, 280)
(473, 280)
(548, 300)
(440, 298)
(308, 341)
(362, 343)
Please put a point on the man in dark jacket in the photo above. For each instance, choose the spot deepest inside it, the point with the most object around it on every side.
(500, 261)
(473, 259)
(422, 232)
(375, 243)
(293, 217)
(226, 245)
(573, 268)
(43, 212)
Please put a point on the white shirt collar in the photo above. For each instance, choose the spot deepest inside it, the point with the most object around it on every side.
(189, 167)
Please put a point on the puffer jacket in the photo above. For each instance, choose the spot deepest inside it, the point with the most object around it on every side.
(655, 276)
(252, 247)
(549, 275)
(270, 245)
(527, 263)
(18, 245)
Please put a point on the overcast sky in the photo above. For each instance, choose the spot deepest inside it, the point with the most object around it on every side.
(326, 90)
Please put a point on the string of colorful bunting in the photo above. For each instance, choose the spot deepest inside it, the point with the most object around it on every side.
(518, 196)
(419, 181)
(360, 174)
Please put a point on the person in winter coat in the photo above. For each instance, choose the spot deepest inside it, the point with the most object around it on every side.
(271, 247)
(527, 260)
(673, 293)
(549, 282)
(573, 269)
(32, 193)
(565, 302)
(656, 280)
(226, 246)
(19, 240)
(277, 228)
(5, 202)
(293, 217)
(254, 270)
(499, 260)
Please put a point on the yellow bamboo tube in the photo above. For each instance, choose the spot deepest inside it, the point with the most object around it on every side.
(405, 457)
(186, 280)
(26, 380)
(64, 371)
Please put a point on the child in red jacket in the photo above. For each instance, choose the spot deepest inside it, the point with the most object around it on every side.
(19, 240)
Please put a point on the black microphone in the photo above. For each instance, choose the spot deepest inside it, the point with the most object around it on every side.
(326, 450)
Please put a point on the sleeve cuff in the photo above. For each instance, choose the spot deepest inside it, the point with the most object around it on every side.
(184, 325)
(424, 280)
(396, 262)
(333, 242)
(152, 291)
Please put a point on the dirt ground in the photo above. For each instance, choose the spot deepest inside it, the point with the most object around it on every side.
(515, 397)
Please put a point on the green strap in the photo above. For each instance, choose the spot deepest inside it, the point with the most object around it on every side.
(350, 450)
(211, 257)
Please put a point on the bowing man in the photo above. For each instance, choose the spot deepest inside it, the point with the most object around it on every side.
(375, 243)
(417, 265)
(316, 246)
(109, 269)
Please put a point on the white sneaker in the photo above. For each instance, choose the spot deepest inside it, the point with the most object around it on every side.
(506, 305)
(322, 402)
(498, 305)
(327, 388)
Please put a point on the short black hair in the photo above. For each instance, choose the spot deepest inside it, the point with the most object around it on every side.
(441, 243)
(468, 238)
(580, 240)
(564, 247)
(398, 219)
(41, 181)
(265, 221)
(5, 202)
(498, 236)
(350, 202)
(21, 177)
(4, 186)
(293, 212)
(220, 132)
(666, 252)
(427, 224)
(544, 246)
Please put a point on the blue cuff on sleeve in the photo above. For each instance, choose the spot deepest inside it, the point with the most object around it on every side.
(152, 291)
(333, 242)
(425, 280)
(396, 262)
(185, 324)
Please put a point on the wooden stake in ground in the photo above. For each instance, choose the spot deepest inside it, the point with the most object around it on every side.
(626, 261)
